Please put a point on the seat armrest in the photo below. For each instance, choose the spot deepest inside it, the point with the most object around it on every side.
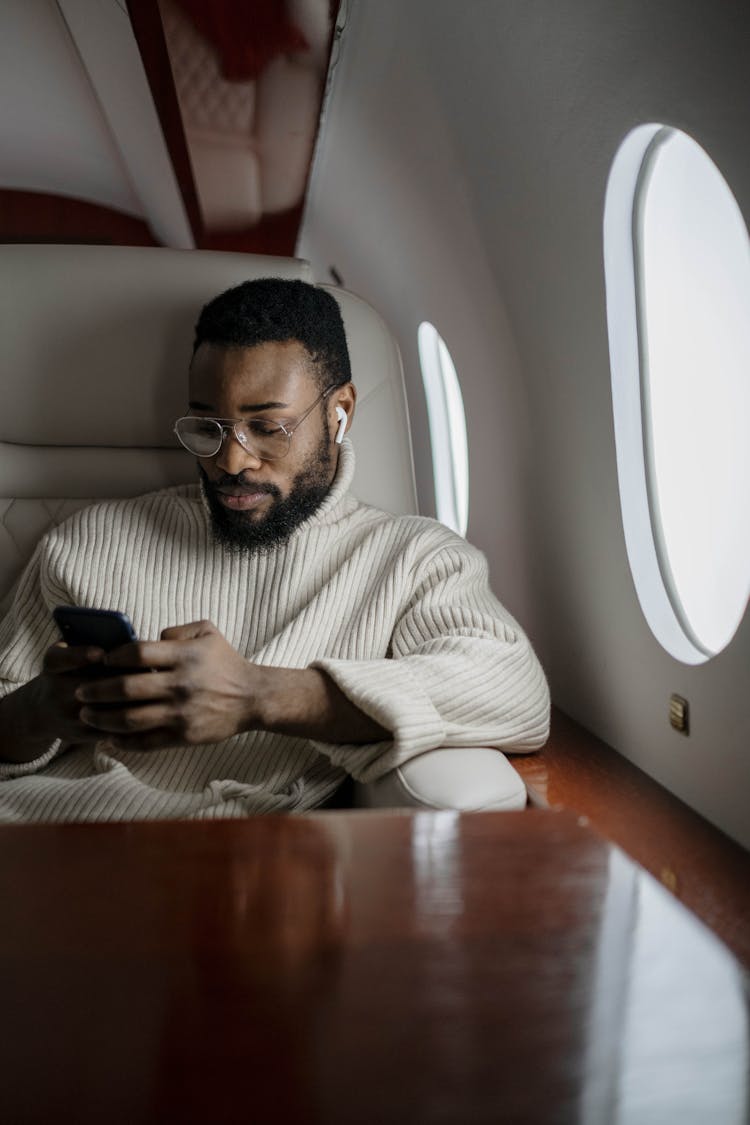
(466, 779)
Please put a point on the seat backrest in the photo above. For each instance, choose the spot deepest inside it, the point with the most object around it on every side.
(96, 342)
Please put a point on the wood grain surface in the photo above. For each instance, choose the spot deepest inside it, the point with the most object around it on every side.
(357, 967)
(695, 861)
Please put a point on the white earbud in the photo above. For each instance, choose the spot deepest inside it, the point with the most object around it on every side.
(343, 418)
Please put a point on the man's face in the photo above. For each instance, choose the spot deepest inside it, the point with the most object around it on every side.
(256, 504)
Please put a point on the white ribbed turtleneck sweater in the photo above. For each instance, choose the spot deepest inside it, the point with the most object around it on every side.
(397, 610)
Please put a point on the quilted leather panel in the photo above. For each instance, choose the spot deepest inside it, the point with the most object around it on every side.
(32, 476)
(207, 100)
(22, 524)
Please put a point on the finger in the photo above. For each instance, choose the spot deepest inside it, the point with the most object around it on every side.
(188, 632)
(149, 654)
(66, 658)
(128, 689)
(126, 720)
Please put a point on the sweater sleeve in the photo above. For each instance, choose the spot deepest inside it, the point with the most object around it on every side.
(460, 672)
(26, 633)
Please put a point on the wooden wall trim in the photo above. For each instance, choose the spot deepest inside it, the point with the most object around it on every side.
(701, 866)
(36, 216)
(149, 34)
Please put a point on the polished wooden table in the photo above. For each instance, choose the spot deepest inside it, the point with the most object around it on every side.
(357, 967)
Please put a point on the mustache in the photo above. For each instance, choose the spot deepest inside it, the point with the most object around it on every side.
(238, 484)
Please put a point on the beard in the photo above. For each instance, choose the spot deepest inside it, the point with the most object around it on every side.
(240, 535)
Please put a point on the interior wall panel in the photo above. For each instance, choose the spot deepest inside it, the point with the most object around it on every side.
(462, 170)
(53, 136)
(389, 208)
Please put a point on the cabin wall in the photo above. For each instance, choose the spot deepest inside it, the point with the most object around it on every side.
(78, 123)
(460, 177)
(56, 139)
(390, 208)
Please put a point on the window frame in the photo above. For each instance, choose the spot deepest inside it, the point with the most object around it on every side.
(627, 326)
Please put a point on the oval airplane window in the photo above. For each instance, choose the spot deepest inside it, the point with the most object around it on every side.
(677, 267)
(445, 410)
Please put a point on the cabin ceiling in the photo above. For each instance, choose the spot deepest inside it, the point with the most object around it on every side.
(187, 115)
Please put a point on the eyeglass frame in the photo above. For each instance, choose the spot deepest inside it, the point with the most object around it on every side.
(229, 424)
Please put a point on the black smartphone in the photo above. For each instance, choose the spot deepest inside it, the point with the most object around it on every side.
(102, 628)
(99, 628)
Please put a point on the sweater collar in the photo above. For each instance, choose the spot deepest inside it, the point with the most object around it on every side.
(339, 487)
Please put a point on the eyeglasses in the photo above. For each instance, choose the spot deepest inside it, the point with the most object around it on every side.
(269, 440)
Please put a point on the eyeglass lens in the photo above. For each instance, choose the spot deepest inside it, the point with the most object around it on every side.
(203, 437)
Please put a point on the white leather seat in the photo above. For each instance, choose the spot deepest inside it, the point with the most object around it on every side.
(96, 342)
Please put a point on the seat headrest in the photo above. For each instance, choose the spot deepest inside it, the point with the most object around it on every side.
(96, 340)
(96, 343)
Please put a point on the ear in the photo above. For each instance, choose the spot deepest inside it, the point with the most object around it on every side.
(343, 406)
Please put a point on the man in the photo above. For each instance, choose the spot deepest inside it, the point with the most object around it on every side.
(303, 636)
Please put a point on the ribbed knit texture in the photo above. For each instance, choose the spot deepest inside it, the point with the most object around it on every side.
(397, 610)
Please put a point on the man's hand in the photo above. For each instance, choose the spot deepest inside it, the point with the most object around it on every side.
(64, 668)
(199, 689)
(194, 688)
(46, 708)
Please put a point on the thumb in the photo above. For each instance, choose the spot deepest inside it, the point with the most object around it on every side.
(188, 632)
(66, 658)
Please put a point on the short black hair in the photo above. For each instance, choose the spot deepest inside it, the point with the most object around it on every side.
(274, 310)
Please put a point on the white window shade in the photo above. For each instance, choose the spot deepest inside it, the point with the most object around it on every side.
(677, 263)
(445, 409)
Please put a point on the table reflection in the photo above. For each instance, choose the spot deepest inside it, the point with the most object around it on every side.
(668, 1029)
(263, 955)
(685, 1035)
